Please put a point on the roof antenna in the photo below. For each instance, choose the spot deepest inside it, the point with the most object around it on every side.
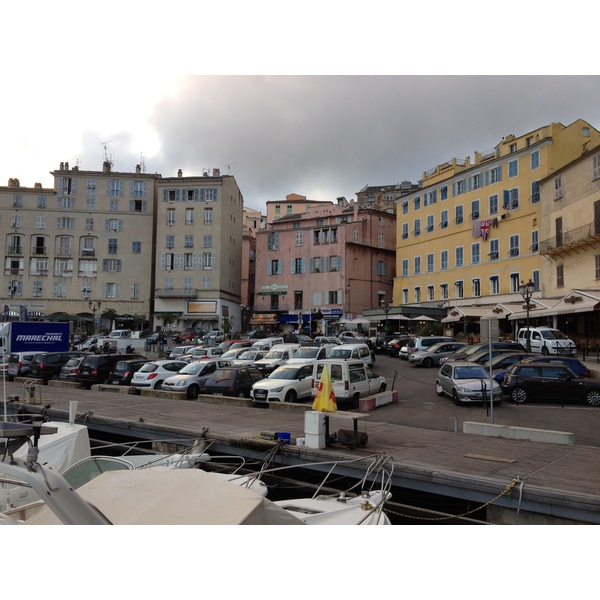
(106, 159)
(229, 168)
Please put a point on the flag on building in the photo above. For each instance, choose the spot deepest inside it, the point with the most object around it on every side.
(476, 228)
(325, 399)
(485, 229)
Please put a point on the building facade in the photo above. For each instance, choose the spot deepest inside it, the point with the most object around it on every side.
(471, 234)
(327, 262)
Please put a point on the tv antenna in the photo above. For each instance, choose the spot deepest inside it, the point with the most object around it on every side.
(142, 163)
(106, 159)
(229, 168)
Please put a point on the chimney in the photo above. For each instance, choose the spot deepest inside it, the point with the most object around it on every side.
(62, 166)
(138, 169)
(216, 172)
(66, 166)
(37, 186)
(106, 167)
(179, 173)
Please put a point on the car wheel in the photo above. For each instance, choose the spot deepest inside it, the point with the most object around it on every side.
(592, 397)
(158, 385)
(455, 398)
(519, 395)
(382, 388)
(438, 389)
(428, 362)
(545, 351)
(193, 392)
(242, 395)
(290, 396)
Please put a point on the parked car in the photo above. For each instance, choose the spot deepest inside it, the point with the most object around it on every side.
(96, 368)
(201, 353)
(285, 384)
(232, 381)
(351, 352)
(233, 353)
(214, 336)
(88, 345)
(18, 364)
(70, 371)
(396, 344)
(249, 356)
(308, 354)
(351, 336)
(420, 343)
(465, 381)
(179, 351)
(237, 344)
(47, 365)
(551, 382)
(276, 357)
(350, 380)
(189, 334)
(546, 340)
(468, 351)
(152, 375)
(381, 342)
(123, 371)
(430, 357)
(501, 363)
(267, 343)
(579, 368)
(254, 335)
(326, 339)
(482, 357)
(192, 377)
(156, 337)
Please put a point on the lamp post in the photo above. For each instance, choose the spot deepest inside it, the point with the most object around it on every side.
(526, 290)
(386, 307)
(94, 307)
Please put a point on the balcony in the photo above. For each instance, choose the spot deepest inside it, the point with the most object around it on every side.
(176, 293)
(572, 241)
(88, 252)
(14, 250)
(39, 251)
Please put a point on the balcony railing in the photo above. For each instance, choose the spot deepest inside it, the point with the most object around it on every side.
(14, 250)
(39, 251)
(591, 231)
(176, 293)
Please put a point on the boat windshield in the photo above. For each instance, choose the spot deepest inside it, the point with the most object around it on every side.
(89, 468)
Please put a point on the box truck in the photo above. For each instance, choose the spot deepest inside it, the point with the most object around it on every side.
(34, 336)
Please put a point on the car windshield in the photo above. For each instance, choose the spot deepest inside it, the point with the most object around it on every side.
(230, 354)
(471, 350)
(340, 353)
(271, 355)
(224, 376)
(553, 334)
(192, 368)
(284, 373)
(470, 373)
(306, 352)
(149, 368)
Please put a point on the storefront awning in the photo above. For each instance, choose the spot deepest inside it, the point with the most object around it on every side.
(574, 302)
(502, 310)
(263, 319)
(456, 313)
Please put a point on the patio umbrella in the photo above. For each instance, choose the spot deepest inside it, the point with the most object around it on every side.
(423, 318)
(399, 318)
(325, 399)
(359, 321)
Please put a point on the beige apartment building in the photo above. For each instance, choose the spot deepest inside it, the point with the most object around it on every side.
(198, 258)
(327, 262)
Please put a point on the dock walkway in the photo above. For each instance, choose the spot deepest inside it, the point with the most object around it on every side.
(549, 482)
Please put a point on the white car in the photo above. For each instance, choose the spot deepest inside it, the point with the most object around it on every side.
(284, 384)
(192, 377)
(201, 353)
(152, 375)
(249, 356)
(308, 354)
(276, 357)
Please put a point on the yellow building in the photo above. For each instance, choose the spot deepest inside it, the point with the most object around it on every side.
(471, 234)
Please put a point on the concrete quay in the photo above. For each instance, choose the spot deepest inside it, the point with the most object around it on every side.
(521, 479)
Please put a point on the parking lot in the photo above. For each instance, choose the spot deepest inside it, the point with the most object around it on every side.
(419, 406)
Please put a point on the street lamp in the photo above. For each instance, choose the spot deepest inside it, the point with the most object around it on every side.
(94, 308)
(386, 307)
(526, 290)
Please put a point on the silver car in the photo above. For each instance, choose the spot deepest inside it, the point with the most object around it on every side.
(465, 381)
(192, 377)
(431, 356)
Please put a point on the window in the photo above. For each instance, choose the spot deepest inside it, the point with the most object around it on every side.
(209, 262)
(429, 223)
(535, 160)
(381, 239)
(404, 231)
(289, 209)
(207, 240)
(89, 224)
(534, 240)
(559, 232)
(417, 202)
(536, 281)
(316, 264)
(40, 222)
(417, 265)
(37, 289)
(170, 241)
(474, 210)
(417, 294)
(512, 148)
(59, 289)
(493, 175)
(493, 204)
(334, 297)
(61, 223)
(299, 238)
(189, 216)
(513, 168)
(115, 188)
(444, 291)
(429, 198)
(278, 209)
(515, 279)
(535, 192)
(513, 245)
(459, 256)
(475, 182)
(112, 290)
(113, 225)
(114, 204)
(494, 249)
(597, 266)
(560, 276)
(476, 288)
(444, 260)
(558, 188)
(273, 240)
(430, 293)
(208, 216)
(459, 214)
(63, 267)
(596, 167)
(111, 264)
(138, 189)
(189, 262)
(430, 262)
(275, 267)
(335, 264)
(405, 296)
(356, 235)
(67, 185)
(298, 265)
(112, 245)
(458, 187)
(444, 192)
(458, 287)
(405, 267)
(188, 241)
(475, 253)
(444, 219)
(417, 229)
(494, 285)
(65, 203)
(297, 300)
(136, 247)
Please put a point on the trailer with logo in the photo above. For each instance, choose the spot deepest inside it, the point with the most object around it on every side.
(34, 336)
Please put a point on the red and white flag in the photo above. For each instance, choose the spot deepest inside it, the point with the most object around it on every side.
(485, 229)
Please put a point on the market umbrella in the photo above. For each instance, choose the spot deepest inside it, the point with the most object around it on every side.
(325, 399)
(423, 318)
(359, 321)
(399, 318)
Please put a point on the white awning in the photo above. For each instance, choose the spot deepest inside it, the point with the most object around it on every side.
(502, 310)
(574, 302)
(457, 313)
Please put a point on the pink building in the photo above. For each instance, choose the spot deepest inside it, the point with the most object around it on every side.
(327, 261)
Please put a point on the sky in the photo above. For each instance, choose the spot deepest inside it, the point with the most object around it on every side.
(317, 107)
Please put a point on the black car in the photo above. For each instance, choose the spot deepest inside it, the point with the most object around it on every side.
(47, 365)
(232, 381)
(393, 346)
(96, 368)
(123, 371)
(550, 382)
(468, 351)
(381, 342)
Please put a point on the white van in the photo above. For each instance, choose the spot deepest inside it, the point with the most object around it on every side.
(276, 357)
(267, 343)
(547, 341)
(352, 352)
(350, 379)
